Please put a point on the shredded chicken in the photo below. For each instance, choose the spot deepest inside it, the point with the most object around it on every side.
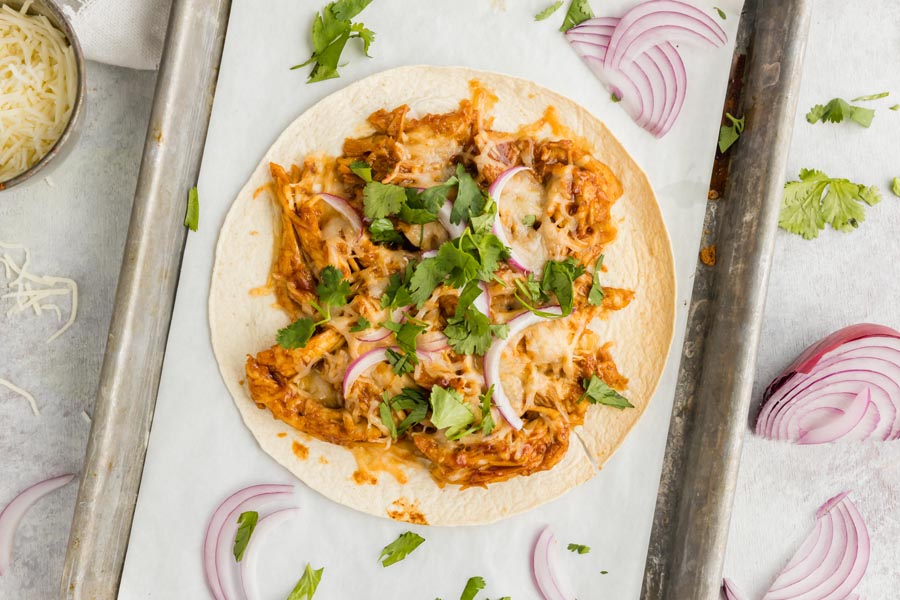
(568, 192)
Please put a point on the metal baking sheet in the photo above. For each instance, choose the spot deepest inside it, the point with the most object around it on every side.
(138, 334)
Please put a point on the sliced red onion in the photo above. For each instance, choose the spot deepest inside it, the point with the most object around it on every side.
(491, 365)
(366, 361)
(730, 590)
(453, 229)
(249, 563)
(216, 525)
(516, 260)
(345, 208)
(434, 341)
(546, 572)
(844, 387)
(15, 510)
(651, 23)
(832, 560)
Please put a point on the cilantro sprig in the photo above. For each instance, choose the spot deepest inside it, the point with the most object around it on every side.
(332, 291)
(816, 200)
(331, 30)
(836, 110)
(596, 391)
(400, 548)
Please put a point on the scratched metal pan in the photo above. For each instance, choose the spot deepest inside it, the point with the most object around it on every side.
(712, 398)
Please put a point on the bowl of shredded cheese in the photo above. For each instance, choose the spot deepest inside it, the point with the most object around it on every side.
(42, 87)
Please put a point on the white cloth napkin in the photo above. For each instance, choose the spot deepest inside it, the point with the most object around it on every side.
(128, 33)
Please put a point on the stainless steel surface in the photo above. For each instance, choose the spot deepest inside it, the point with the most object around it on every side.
(688, 542)
(66, 141)
(137, 336)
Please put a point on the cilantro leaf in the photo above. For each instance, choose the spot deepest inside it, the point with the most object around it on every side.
(487, 419)
(558, 278)
(579, 12)
(427, 276)
(192, 215)
(895, 186)
(545, 14)
(297, 334)
(361, 325)
(837, 110)
(414, 209)
(488, 249)
(459, 266)
(895, 107)
(473, 586)
(414, 403)
(382, 230)
(729, 134)
(406, 334)
(595, 296)
(396, 293)
(469, 199)
(246, 524)
(877, 96)
(528, 220)
(382, 199)
(331, 30)
(721, 13)
(333, 289)
(578, 548)
(597, 392)
(401, 363)
(469, 333)
(435, 197)
(362, 170)
(387, 417)
(816, 200)
(448, 411)
(400, 548)
(309, 582)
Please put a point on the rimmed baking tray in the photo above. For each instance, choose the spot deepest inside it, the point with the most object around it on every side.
(696, 490)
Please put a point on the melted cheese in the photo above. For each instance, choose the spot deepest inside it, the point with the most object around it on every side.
(37, 88)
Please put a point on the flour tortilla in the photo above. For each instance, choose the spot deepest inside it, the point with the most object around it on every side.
(639, 259)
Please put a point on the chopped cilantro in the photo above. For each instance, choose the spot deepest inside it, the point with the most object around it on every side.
(448, 411)
(332, 289)
(406, 334)
(309, 582)
(721, 13)
(382, 231)
(595, 296)
(729, 134)
(387, 417)
(877, 96)
(361, 325)
(470, 331)
(473, 586)
(545, 14)
(401, 363)
(362, 170)
(837, 110)
(486, 248)
(895, 107)
(192, 215)
(558, 278)
(528, 220)
(382, 199)
(895, 186)
(604, 572)
(487, 419)
(579, 12)
(414, 403)
(396, 294)
(578, 548)
(246, 524)
(297, 334)
(597, 392)
(400, 548)
(614, 98)
(428, 275)
(816, 199)
(469, 199)
(331, 30)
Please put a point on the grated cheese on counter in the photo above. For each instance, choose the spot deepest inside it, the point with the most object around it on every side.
(17, 390)
(30, 291)
(37, 88)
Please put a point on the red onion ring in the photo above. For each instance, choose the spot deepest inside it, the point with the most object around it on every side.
(650, 23)
(216, 524)
(545, 568)
(516, 260)
(831, 561)
(345, 208)
(366, 361)
(491, 364)
(249, 563)
(730, 590)
(844, 387)
(433, 341)
(14, 512)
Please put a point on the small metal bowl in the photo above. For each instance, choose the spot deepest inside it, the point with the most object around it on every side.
(66, 141)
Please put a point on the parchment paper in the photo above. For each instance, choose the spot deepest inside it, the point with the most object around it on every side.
(200, 451)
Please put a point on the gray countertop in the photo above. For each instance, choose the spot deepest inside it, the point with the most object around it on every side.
(77, 228)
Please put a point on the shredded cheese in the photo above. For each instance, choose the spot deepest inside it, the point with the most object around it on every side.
(17, 390)
(37, 88)
(31, 292)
